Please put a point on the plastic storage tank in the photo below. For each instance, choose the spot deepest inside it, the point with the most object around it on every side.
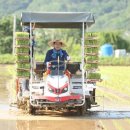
(120, 53)
(106, 50)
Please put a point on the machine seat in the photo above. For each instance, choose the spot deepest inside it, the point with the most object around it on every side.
(40, 68)
(73, 67)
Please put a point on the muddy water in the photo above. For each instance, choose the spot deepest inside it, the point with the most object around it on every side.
(4, 94)
(49, 125)
(96, 119)
(4, 98)
(13, 119)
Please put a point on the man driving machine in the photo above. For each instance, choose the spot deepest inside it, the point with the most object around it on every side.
(56, 54)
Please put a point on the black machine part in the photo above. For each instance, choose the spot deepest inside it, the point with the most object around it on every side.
(71, 67)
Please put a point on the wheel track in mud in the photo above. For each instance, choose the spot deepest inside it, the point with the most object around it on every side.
(93, 120)
(122, 95)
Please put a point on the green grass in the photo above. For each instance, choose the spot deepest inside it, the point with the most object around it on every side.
(7, 70)
(112, 97)
(7, 59)
(108, 61)
(116, 78)
(113, 61)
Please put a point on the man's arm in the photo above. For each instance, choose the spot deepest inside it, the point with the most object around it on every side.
(67, 57)
(47, 58)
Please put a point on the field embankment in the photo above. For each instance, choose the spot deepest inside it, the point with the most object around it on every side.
(103, 61)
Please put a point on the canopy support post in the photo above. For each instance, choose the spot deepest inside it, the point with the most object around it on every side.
(31, 58)
(83, 72)
(14, 30)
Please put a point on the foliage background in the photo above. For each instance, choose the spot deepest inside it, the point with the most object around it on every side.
(112, 23)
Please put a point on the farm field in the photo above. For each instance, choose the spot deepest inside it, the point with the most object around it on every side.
(113, 115)
(115, 86)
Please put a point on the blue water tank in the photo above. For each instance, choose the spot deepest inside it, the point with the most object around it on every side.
(106, 50)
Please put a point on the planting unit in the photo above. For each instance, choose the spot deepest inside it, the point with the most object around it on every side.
(22, 54)
(91, 57)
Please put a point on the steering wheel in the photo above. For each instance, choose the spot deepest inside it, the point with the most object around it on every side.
(60, 65)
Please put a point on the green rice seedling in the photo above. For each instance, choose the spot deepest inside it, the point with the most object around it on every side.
(88, 66)
(23, 65)
(88, 50)
(88, 58)
(95, 50)
(22, 38)
(94, 58)
(88, 34)
(95, 65)
(94, 76)
(22, 35)
(22, 58)
(88, 42)
(22, 50)
(22, 42)
(23, 74)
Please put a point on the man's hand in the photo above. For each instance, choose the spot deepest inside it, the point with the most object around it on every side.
(68, 58)
(48, 64)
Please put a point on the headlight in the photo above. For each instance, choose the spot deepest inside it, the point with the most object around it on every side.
(58, 90)
(50, 89)
(64, 90)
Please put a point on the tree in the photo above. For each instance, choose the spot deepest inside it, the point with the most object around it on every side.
(6, 32)
(114, 38)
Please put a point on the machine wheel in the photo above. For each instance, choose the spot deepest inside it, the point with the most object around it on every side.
(81, 110)
(30, 109)
(18, 103)
(88, 103)
(70, 108)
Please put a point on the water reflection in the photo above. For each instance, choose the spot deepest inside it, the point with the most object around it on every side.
(48, 125)
(3, 95)
(7, 125)
(4, 78)
(56, 125)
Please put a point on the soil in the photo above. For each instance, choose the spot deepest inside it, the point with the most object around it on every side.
(116, 117)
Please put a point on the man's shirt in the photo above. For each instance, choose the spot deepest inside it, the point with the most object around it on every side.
(52, 55)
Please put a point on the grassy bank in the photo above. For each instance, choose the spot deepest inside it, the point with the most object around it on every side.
(113, 61)
(107, 61)
(7, 59)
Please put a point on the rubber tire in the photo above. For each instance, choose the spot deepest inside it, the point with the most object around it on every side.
(88, 103)
(30, 109)
(18, 103)
(81, 110)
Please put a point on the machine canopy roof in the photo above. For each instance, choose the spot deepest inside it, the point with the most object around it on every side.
(57, 19)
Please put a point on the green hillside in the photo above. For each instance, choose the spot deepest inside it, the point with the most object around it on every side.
(109, 14)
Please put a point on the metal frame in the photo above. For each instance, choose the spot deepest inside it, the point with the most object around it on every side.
(82, 51)
(83, 72)
(31, 59)
(82, 63)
